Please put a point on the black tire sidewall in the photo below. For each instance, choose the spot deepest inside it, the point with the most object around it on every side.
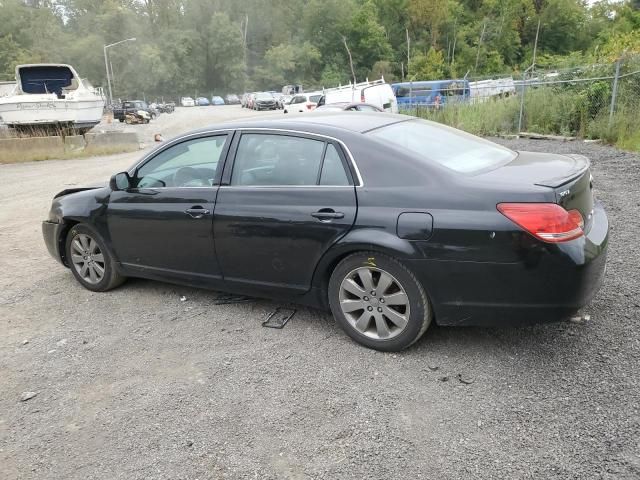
(107, 279)
(418, 302)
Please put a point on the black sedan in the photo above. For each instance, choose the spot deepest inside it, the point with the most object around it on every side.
(390, 221)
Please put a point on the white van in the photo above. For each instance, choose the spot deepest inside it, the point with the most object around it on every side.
(377, 93)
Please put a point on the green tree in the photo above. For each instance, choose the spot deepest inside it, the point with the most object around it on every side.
(367, 39)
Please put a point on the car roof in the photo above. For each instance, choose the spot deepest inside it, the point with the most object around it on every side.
(359, 122)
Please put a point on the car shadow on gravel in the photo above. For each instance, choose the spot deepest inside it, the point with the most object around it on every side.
(168, 301)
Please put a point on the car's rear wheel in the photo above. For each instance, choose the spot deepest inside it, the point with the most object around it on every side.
(90, 261)
(378, 301)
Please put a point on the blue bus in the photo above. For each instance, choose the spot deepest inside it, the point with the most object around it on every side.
(434, 93)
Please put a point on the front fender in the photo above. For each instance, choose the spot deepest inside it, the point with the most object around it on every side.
(84, 206)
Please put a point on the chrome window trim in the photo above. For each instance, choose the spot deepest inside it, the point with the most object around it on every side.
(248, 187)
(228, 131)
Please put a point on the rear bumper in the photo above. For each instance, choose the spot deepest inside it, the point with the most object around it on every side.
(51, 233)
(550, 283)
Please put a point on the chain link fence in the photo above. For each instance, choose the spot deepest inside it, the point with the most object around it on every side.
(594, 101)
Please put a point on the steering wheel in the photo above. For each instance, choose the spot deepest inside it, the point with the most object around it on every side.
(188, 177)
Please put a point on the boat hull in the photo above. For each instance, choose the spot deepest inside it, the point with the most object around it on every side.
(26, 111)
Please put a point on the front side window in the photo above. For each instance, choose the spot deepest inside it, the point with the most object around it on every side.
(454, 149)
(188, 164)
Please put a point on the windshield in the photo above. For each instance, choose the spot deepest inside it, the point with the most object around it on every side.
(449, 147)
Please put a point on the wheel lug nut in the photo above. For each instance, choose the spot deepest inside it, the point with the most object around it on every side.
(373, 294)
(380, 309)
(366, 299)
(382, 300)
(370, 309)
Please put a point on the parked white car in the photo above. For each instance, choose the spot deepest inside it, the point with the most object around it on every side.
(187, 102)
(377, 93)
(303, 102)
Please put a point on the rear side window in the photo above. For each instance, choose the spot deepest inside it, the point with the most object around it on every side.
(454, 149)
(283, 160)
(263, 160)
(333, 172)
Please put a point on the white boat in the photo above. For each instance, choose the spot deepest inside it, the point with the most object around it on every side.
(51, 95)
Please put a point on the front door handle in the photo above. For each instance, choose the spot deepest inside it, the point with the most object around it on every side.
(327, 214)
(196, 212)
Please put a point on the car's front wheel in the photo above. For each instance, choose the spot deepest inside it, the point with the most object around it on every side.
(378, 301)
(90, 261)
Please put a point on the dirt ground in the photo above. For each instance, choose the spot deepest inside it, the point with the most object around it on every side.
(137, 384)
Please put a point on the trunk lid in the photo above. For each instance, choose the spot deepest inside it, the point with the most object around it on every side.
(569, 176)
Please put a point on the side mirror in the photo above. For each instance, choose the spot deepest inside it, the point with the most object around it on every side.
(120, 181)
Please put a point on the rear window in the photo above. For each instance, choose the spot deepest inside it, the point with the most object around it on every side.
(315, 98)
(454, 149)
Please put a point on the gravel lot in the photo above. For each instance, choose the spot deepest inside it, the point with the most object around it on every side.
(137, 384)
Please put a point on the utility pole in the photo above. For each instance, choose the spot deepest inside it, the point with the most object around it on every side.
(408, 49)
(244, 37)
(614, 93)
(106, 63)
(106, 66)
(455, 38)
(484, 26)
(535, 45)
(353, 73)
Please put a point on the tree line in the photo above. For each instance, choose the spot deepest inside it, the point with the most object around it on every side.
(188, 47)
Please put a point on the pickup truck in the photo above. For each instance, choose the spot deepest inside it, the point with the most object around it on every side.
(131, 106)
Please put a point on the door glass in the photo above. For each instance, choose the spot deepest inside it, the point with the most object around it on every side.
(188, 164)
(332, 169)
(265, 160)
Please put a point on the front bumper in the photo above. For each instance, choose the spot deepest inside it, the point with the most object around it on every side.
(51, 233)
(550, 283)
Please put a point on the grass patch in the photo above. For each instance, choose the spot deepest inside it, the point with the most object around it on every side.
(28, 151)
(578, 112)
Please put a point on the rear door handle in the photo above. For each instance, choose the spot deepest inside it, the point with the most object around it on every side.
(196, 212)
(327, 214)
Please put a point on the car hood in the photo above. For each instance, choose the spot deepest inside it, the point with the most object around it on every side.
(69, 191)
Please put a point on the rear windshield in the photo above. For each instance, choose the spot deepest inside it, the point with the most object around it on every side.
(449, 147)
(315, 98)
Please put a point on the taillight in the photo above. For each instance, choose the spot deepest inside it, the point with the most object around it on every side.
(547, 221)
(362, 96)
(310, 106)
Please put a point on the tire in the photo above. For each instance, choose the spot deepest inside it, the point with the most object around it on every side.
(82, 241)
(379, 324)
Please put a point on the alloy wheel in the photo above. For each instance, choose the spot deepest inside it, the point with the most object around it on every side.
(87, 258)
(374, 303)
